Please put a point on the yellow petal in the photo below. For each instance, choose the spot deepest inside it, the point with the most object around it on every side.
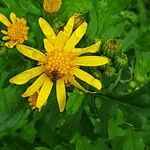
(30, 52)
(60, 40)
(47, 29)
(44, 93)
(13, 17)
(23, 21)
(26, 75)
(11, 44)
(69, 26)
(5, 38)
(91, 61)
(48, 45)
(76, 36)
(4, 32)
(61, 94)
(90, 49)
(76, 84)
(4, 20)
(63, 37)
(82, 75)
(35, 86)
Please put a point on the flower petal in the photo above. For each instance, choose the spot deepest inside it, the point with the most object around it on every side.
(69, 26)
(44, 93)
(60, 40)
(91, 61)
(35, 86)
(13, 17)
(4, 32)
(5, 38)
(23, 21)
(26, 75)
(30, 52)
(4, 20)
(63, 36)
(87, 78)
(47, 29)
(61, 94)
(90, 49)
(76, 36)
(48, 45)
(77, 85)
(10, 44)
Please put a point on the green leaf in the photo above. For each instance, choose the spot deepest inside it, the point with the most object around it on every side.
(109, 18)
(74, 102)
(83, 142)
(92, 26)
(133, 142)
(12, 108)
(28, 131)
(41, 148)
(73, 6)
(130, 39)
(142, 69)
(113, 126)
(21, 7)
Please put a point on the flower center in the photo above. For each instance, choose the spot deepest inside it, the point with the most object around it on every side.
(57, 64)
(18, 31)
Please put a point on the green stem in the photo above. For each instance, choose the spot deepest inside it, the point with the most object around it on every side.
(112, 86)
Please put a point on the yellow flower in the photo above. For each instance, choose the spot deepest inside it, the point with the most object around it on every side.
(16, 30)
(52, 6)
(61, 63)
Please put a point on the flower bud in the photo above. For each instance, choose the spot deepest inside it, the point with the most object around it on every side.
(139, 79)
(121, 61)
(52, 6)
(109, 71)
(111, 47)
(78, 20)
(132, 84)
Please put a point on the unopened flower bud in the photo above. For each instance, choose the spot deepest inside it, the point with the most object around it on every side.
(121, 61)
(78, 20)
(109, 71)
(132, 84)
(111, 47)
(52, 6)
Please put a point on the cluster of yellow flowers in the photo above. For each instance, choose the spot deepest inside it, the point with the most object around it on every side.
(60, 64)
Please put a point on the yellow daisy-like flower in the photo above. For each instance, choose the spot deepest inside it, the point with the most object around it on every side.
(61, 63)
(16, 32)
